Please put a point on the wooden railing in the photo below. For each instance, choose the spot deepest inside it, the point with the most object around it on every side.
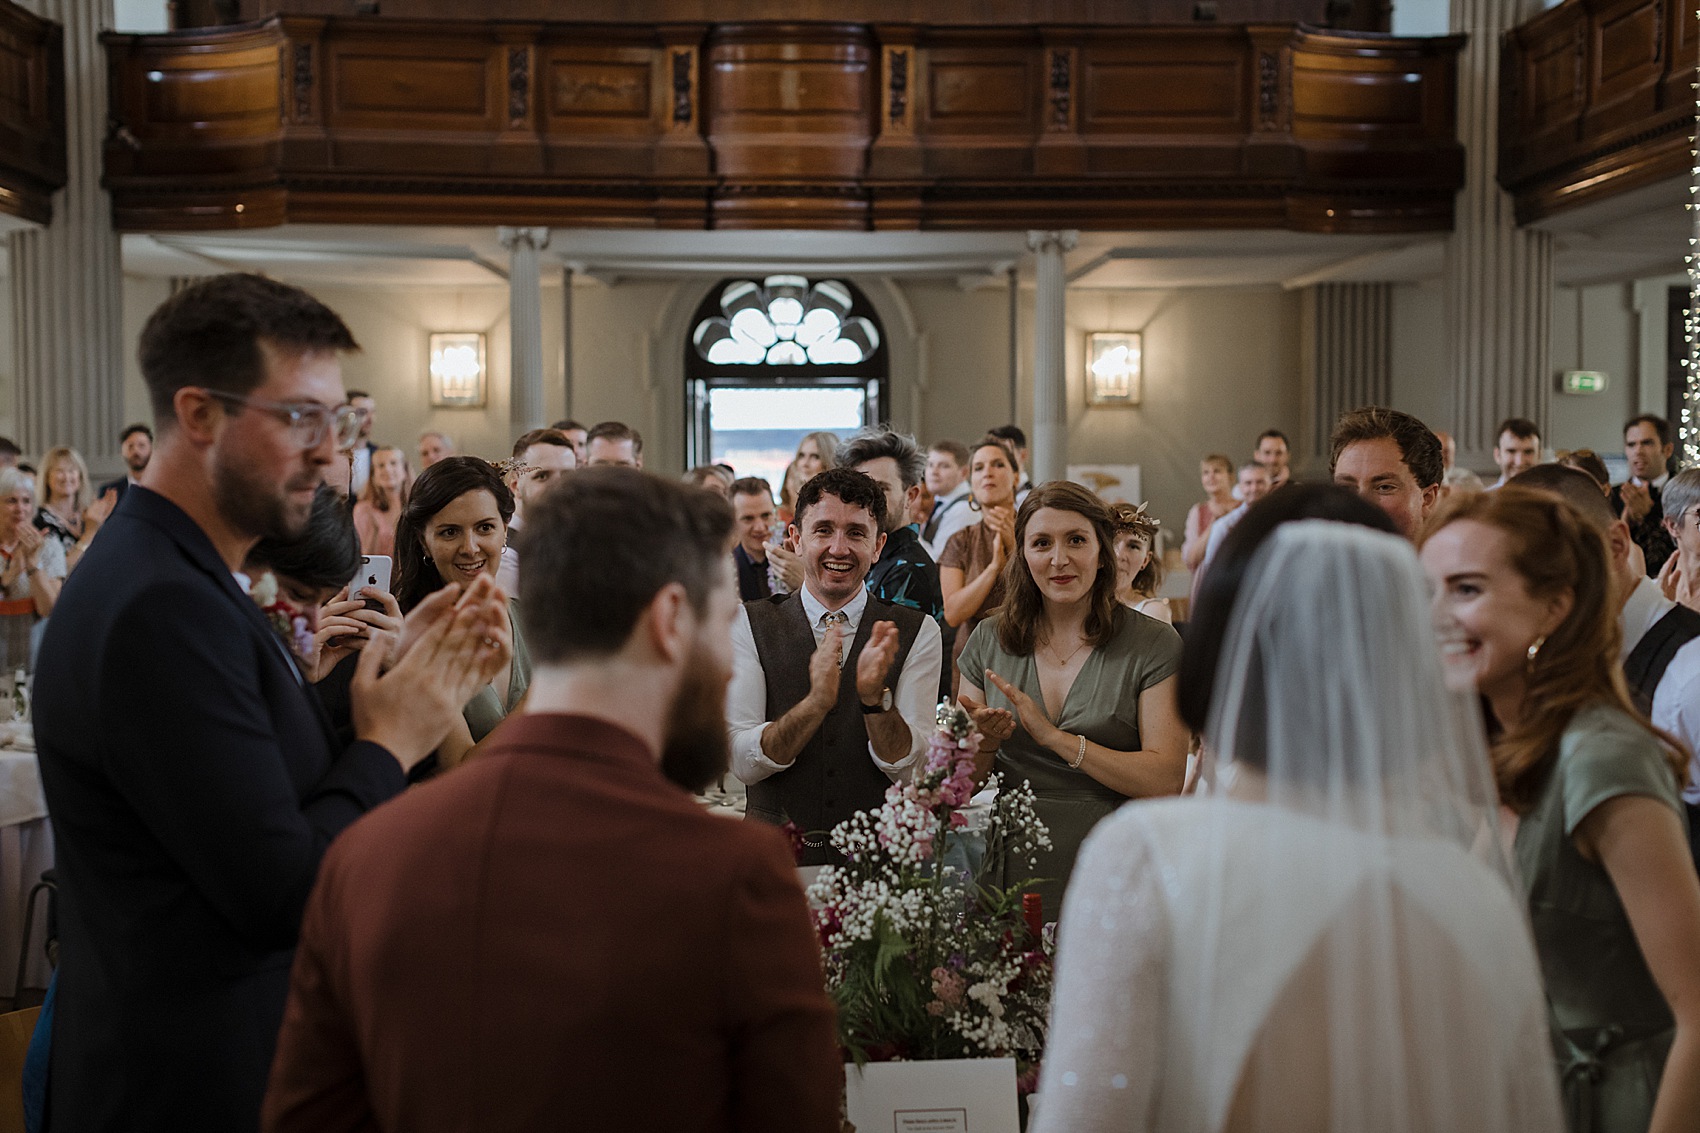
(32, 113)
(782, 125)
(1596, 98)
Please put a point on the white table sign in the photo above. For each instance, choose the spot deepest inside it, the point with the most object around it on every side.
(963, 1095)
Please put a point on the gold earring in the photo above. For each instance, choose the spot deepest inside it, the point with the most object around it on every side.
(1535, 650)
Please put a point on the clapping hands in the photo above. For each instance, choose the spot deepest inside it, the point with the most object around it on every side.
(450, 646)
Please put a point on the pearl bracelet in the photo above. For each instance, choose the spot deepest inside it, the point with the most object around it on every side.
(1080, 757)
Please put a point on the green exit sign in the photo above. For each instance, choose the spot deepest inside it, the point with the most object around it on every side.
(1584, 381)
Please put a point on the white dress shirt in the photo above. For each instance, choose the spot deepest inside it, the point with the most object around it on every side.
(1676, 700)
(746, 699)
(959, 515)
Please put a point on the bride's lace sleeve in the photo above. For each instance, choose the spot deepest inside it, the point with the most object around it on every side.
(1101, 1065)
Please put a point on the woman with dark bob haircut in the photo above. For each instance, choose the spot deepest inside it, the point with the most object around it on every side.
(1072, 691)
(453, 529)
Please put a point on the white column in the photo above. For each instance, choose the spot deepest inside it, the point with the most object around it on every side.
(1050, 382)
(1498, 276)
(525, 326)
(1346, 343)
(67, 281)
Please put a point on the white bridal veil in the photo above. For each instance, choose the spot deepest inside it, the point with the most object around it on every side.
(1331, 940)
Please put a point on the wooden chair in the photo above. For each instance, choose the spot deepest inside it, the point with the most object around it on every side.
(16, 1027)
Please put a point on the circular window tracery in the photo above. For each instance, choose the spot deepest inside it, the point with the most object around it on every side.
(783, 321)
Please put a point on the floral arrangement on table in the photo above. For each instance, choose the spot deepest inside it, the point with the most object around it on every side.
(925, 959)
(285, 618)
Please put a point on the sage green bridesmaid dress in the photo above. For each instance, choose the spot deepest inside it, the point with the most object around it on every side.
(1102, 705)
(1611, 1027)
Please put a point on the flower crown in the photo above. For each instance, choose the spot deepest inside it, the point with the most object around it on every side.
(1130, 518)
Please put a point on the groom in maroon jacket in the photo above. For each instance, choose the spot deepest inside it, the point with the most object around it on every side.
(556, 935)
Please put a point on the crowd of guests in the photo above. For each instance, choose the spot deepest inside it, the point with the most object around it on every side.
(336, 854)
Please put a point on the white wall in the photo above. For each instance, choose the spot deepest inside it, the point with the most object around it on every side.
(1222, 364)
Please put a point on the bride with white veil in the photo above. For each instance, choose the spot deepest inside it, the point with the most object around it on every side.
(1331, 939)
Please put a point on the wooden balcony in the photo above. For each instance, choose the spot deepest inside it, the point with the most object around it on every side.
(773, 125)
(32, 113)
(1596, 99)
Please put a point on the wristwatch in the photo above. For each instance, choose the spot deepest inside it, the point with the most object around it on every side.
(883, 705)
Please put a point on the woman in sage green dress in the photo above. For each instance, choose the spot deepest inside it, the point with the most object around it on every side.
(1527, 617)
(454, 528)
(1073, 692)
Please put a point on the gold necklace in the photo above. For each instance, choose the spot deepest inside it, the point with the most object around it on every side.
(1062, 662)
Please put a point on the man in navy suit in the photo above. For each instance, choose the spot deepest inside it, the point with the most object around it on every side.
(193, 779)
(135, 444)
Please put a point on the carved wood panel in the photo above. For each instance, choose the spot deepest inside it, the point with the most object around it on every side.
(795, 125)
(1596, 99)
(32, 113)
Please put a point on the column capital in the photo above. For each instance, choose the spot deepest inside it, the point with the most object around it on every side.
(511, 238)
(1062, 240)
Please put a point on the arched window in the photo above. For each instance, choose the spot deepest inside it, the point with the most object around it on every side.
(769, 361)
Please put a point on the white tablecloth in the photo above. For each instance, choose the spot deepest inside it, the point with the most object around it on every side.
(26, 850)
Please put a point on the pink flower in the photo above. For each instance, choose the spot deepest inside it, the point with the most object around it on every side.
(958, 820)
(948, 986)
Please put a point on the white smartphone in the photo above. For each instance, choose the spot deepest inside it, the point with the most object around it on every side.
(374, 571)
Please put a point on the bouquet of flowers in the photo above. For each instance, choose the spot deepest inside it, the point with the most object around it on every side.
(925, 958)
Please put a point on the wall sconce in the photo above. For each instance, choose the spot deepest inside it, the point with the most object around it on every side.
(457, 370)
(1115, 368)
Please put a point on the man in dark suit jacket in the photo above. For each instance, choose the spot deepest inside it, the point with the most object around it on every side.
(135, 444)
(557, 935)
(193, 780)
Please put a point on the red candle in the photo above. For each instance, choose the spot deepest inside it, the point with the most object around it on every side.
(1033, 911)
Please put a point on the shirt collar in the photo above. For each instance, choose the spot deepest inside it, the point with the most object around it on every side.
(955, 493)
(1646, 605)
(813, 608)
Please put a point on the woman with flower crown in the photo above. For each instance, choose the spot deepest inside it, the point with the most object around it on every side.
(1139, 573)
(1071, 691)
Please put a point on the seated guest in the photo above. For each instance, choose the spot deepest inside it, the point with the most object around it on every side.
(613, 442)
(66, 513)
(135, 444)
(541, 457)
(381, 502)
(1074, 692)
(434, 446)
(1216, 474)
(832, 693)
(32, 568)
(904, 574)
(453, 530)
(447, 980)
(1139, 574)
(971, 569)
(947, 480)
(752, 521)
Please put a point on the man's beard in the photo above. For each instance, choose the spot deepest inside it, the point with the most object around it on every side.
(696, 750)
(253, 505)
(137, 464)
